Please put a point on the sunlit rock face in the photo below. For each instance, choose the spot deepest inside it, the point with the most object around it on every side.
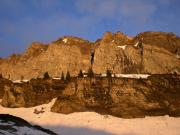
(123, 54)
(156, 95)
(148, 52)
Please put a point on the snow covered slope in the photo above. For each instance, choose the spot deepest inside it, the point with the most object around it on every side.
(91, 123)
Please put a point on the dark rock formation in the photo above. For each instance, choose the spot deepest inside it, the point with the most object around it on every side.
(12, 125)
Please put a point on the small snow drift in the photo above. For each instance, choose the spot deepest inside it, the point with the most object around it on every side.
(122, 46)
(65, 40)
(136, 44)
(137, 76)
(20, 81)
(11, 125)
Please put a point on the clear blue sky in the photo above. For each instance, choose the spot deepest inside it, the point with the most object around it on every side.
(25, 21)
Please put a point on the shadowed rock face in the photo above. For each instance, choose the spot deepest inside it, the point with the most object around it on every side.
(11, 125)
(32, 93)
(160, 53)
(13, 97)
(4, 82)
(127, 98)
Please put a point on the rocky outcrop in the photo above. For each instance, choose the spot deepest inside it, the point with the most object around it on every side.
(125, 55)
(13, 97)
(122, 97)
(148, 52)
(4, 82)
(168, 41)
(32, 93)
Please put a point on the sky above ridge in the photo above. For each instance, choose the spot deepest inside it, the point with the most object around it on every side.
(25, 21)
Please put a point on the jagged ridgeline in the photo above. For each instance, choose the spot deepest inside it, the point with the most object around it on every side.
(148, 52)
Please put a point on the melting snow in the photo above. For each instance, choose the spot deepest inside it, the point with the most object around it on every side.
(136, 44)
(20, 81)
(103, 75)
(122, 47)
(132, 75)
(138, 76)
(65, 40)
(91, 123)
(84, 71)
(57, 78)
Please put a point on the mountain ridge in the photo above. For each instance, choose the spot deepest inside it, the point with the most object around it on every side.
(114, 51)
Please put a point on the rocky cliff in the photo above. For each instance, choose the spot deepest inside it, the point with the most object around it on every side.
(32, 93)
(148, 52)
(123, 97)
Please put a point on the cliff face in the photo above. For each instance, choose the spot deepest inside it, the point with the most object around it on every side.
(123, 97)
(149, 52)
(60, 56)
(32, 93)
(146, 53)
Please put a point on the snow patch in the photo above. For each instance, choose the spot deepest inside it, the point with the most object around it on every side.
(65, 40)
(103, 75)
(122, 47)
(20, 81)
(136, 44)
(57, 78)
(84, 71)
(137, 76)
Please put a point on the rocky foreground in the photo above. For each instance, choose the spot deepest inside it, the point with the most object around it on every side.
(148, 52)
(12, 125)
(155, 95)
